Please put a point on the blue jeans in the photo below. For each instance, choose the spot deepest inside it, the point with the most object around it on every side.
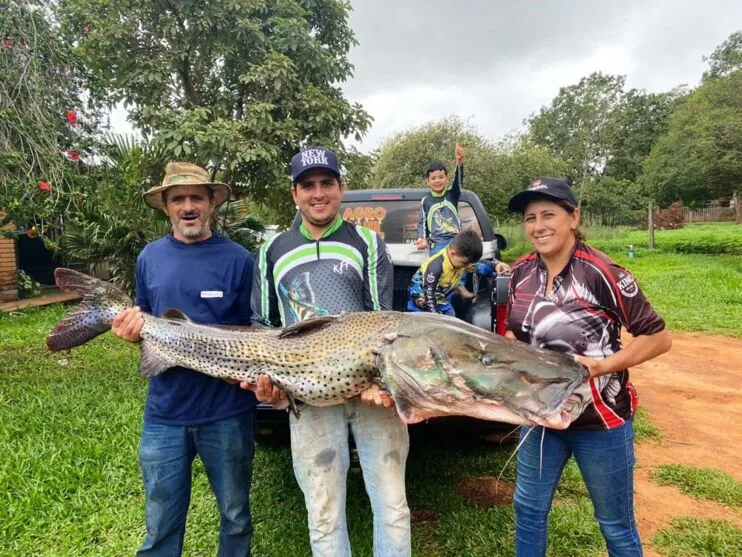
(321, 456)
(606, 460)
(166, 454)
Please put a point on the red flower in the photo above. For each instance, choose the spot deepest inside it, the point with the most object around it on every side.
(72, 117)
(73, 155)
(45, 186)
(85, 29)
(8, 42)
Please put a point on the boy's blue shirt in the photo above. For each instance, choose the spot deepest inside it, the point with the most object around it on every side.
(210, 282)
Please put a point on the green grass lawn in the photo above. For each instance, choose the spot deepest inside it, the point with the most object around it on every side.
(693, 291)
(702, 483)
(692, 537)
(69, 427)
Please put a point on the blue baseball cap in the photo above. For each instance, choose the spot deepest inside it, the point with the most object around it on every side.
(311, 158)
(544, 187)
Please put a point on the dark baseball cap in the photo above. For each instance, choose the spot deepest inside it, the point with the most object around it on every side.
(313, 157)
(543, 187)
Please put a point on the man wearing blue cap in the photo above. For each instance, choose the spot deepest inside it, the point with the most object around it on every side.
(324, 267)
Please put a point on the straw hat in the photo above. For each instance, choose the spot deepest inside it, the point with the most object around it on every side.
(185, 173)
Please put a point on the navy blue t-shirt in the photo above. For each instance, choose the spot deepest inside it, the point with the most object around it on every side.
(210, 282)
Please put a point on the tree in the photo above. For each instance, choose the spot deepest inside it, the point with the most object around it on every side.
(401, 159)
(614, 201)
(110, 227)
(236, 85)
(639, 120)
(700, 157)
(44, 126)
(493, 171)
(510, 166)
(358, 169)
(576, 126)
(726, 58)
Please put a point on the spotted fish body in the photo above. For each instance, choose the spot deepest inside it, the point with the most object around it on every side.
(432, 365)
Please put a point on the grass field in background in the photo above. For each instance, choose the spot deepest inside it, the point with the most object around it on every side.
(702, 483)
(693, 291)
(712, 238)
(69, 427)
(693, 537)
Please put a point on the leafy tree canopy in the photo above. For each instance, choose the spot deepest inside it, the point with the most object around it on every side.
(726, 58)
(237, 85)
(700, 157)
(44, 126)
(639, 120)
(493, 171)
(577, 125)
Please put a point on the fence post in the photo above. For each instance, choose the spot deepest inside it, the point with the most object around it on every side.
(650, 242)
(738, 207)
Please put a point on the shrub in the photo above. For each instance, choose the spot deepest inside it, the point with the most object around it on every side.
(27, 287)
(671, 218)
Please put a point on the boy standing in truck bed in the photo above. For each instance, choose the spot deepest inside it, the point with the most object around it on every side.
(439, 214)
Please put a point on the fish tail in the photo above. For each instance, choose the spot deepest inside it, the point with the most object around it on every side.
(101, 302)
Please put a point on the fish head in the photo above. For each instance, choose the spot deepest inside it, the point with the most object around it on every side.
(463, 370)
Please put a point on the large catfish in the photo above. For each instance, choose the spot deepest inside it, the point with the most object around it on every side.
(432, 365)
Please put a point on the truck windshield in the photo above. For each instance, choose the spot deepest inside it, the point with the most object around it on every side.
(396, 220)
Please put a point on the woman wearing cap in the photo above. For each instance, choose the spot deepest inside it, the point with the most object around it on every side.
(569, 297)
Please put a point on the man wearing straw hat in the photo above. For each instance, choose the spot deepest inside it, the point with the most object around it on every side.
(209, 278)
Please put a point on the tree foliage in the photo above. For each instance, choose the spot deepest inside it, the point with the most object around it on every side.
(726, 58)
(493, 171)
(358, 168)
(43, 123)
(578, 124)
(509, 167)
(237, 85)
(638, 121)
(111, 226)
(700, 157)
(401, 159)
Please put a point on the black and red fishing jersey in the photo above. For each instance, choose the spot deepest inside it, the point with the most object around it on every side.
(591, 299)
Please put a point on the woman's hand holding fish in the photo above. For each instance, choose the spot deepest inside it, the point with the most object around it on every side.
(266, 391)
(376, 396)
(593, 366)
(128, 324)
(638, 351)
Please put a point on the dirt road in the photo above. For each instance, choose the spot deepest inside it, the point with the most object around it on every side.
(694, 395)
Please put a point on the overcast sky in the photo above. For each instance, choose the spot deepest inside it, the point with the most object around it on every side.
(495, 62)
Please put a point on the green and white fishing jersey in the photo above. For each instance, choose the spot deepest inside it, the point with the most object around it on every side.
(347, 269)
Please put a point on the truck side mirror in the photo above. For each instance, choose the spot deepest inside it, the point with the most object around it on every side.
(502, 243)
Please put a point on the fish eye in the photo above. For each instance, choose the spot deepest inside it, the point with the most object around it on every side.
(486, 359)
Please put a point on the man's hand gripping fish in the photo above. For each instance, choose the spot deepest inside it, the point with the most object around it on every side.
(432, 365)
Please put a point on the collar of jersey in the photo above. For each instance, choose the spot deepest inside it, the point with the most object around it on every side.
(565, 271)
(444, 192)
(326, 232)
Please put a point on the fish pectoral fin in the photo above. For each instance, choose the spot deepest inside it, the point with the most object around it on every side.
(292, 405)
(151, 362)
(306, 326)
(176, 314)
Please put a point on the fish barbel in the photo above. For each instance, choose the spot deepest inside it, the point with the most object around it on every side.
(432, 365)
